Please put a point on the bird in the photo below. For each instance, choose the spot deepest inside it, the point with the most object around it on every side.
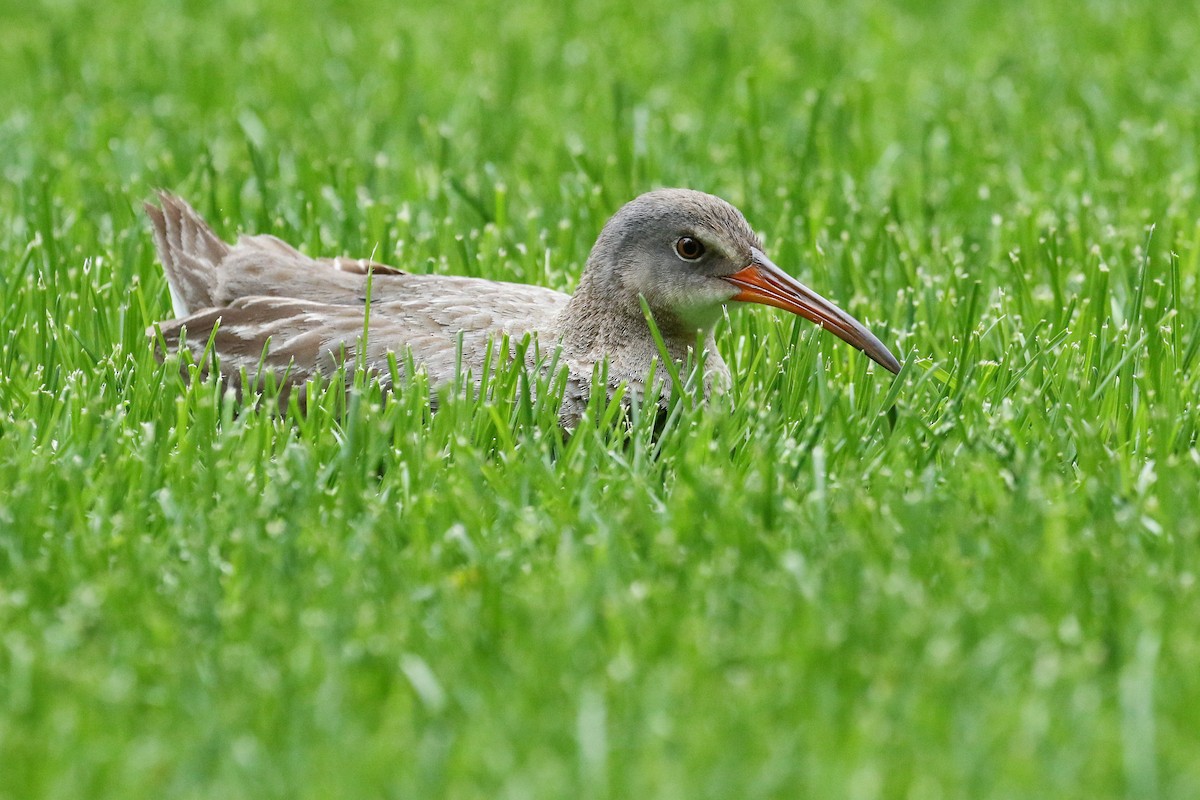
(262, 305)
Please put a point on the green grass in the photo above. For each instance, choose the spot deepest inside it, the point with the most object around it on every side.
(977, 580)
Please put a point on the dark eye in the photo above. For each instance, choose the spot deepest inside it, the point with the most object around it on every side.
(689, 249)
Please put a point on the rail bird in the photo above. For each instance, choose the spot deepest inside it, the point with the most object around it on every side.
(264, 305)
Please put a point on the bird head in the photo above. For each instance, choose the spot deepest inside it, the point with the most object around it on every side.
(689, 253)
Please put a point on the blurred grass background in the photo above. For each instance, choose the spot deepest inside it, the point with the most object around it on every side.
(992, 597)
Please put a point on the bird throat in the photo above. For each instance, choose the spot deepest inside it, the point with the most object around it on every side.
(606, 319)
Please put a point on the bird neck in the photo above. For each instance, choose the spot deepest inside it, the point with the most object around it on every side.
(605, 317)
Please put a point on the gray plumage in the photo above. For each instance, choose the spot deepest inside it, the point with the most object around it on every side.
(262, 295)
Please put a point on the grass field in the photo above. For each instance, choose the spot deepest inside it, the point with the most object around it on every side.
(977, 580)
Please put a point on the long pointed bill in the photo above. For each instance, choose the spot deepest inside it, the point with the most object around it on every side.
(763, 282)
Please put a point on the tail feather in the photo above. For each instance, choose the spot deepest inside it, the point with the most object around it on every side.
(190, 253)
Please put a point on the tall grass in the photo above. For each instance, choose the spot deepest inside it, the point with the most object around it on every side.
(977, 579)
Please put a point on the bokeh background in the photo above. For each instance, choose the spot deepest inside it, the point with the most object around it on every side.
(988, 593)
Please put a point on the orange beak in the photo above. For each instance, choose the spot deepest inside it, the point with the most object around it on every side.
(763, 282)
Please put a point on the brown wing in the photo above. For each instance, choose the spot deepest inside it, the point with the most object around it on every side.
(265, 266)
(440, 321)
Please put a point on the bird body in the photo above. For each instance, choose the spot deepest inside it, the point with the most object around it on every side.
(266, 306)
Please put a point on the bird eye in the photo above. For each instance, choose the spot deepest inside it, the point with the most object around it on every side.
(689, 249)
